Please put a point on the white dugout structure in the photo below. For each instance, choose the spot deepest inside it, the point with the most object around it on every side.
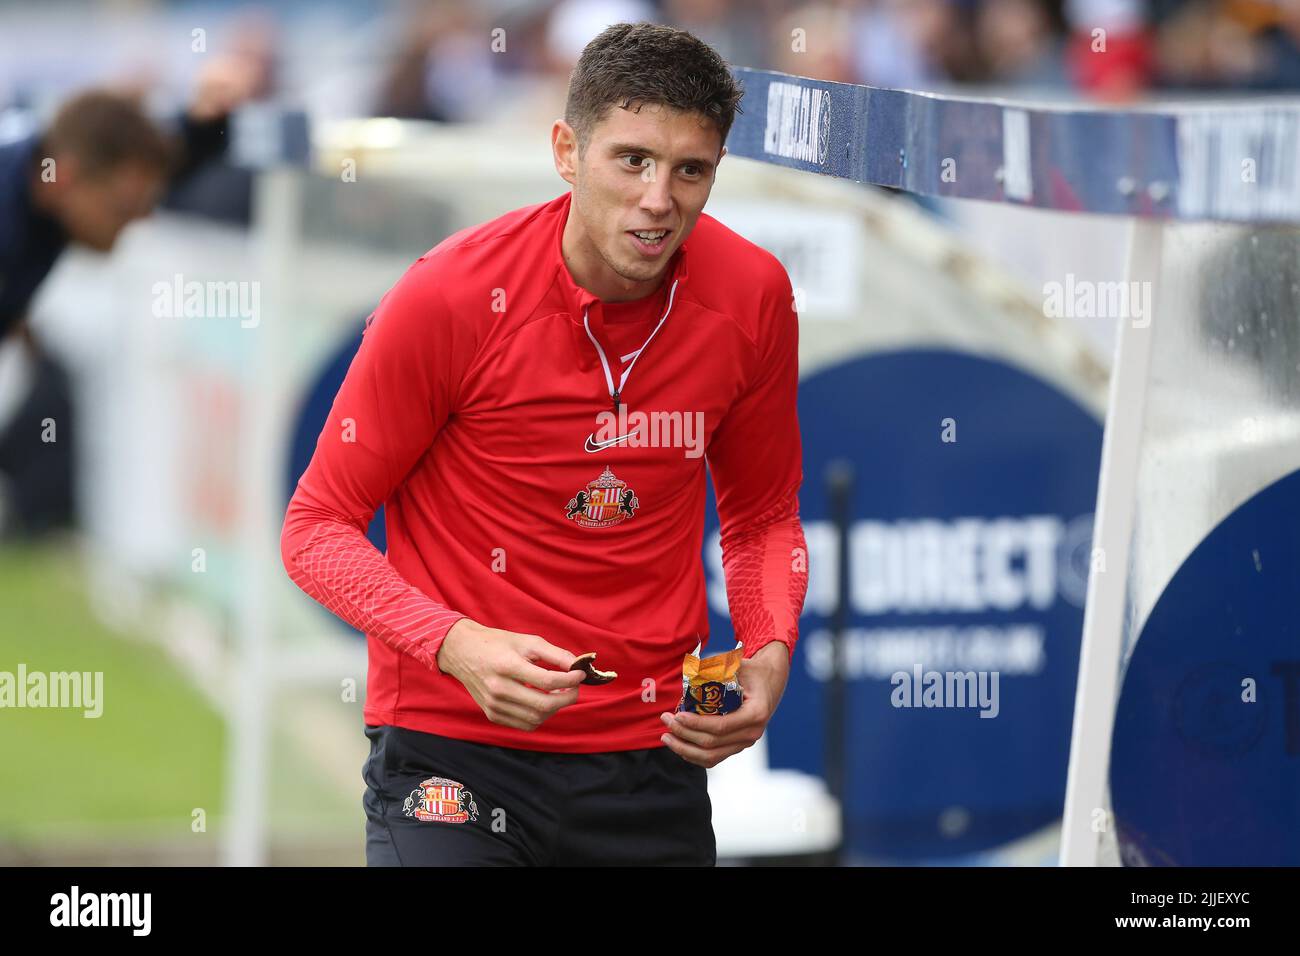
(1202, 409)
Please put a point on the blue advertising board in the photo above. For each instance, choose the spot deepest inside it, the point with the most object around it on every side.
(969, 555)
(1205, 753)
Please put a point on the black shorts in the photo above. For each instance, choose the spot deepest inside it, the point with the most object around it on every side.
(438, 801)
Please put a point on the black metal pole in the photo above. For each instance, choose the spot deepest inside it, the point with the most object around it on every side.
(839, 493)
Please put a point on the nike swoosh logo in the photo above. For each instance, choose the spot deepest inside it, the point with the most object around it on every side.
(595, 446)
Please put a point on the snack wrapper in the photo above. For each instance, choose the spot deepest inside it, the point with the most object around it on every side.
(711, 685)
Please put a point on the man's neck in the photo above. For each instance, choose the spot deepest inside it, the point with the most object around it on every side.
(592, 273)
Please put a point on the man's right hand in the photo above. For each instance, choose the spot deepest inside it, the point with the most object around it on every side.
(496, 665)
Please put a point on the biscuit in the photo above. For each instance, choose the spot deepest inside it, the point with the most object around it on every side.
(586, 664)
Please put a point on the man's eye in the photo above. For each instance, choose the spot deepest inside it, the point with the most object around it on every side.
(634, 156)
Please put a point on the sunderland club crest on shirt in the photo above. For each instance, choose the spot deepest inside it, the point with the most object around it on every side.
(604, 502)
(439, 800)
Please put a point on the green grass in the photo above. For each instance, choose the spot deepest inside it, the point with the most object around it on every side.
(153, 756)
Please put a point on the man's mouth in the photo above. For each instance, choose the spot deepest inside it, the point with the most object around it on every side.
(649, 241)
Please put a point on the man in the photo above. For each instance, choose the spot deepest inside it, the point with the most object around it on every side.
(533, 403)
(99, 165)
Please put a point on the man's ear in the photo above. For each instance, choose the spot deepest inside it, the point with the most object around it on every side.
(55, 175)
(564, 151)
(66, 169)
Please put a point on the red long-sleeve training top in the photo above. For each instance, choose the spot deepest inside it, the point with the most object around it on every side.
(478, 410)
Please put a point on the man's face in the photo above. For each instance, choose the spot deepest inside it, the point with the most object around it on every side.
(95, 208)
(647, 171)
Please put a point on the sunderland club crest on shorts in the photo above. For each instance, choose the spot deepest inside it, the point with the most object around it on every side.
(439, 800)
(604, 502)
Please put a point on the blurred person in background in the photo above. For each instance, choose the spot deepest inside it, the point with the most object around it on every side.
(1198, 46)
(99, 165)
(1021, 42)
(247, 71)
(741, 32)
(913, 44)
(814, 39)
(1250, 44)
(444, 70)
(1110, 51)
(573, 24)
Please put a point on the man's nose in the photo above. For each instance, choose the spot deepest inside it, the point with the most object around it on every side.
(656, 197)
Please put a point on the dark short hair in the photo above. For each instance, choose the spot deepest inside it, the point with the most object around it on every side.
(106, 130)
(632, 64)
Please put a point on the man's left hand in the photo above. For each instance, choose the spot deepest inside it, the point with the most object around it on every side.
(224, 84)
(708, 740)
